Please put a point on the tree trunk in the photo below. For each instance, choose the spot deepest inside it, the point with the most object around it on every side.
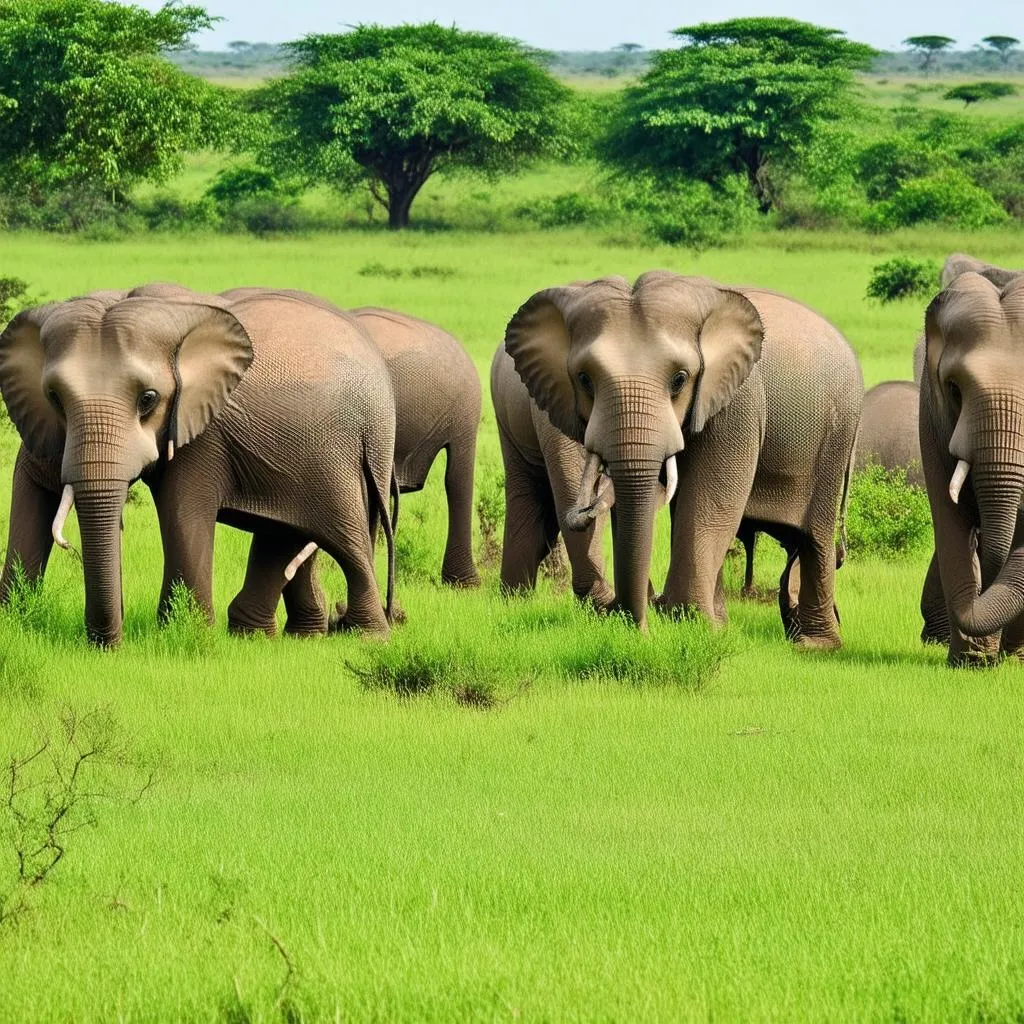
(400, 197)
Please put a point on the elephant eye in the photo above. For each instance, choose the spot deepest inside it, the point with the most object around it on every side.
(54, 399)
(677, 382)
(147, 401)
(954, 393)
(586, 383)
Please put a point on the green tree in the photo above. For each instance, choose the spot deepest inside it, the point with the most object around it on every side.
(928, 48)
(975, 92)
(389, 107)
(87, 98)
(738, 97)
(1003, 45)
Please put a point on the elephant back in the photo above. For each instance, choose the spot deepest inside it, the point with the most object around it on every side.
(888, 429)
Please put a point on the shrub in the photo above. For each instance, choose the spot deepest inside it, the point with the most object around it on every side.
(976, 92)
(903, 278)
(564, 210)
(950, 197)
(166, 212)
(887, 515)
(236, 184)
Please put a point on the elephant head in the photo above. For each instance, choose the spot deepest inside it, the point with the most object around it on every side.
(960, 263)
(104, 389)
(628, 371)
(974, 405)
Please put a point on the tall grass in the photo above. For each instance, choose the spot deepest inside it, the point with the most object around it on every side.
(517, 809)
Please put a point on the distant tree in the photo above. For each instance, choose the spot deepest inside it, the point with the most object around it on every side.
(738, 97)
(975, 92)
(239, 46)
(928, 48)
(389, 107)
(1003, 45)
(627, 47)
(87, 98)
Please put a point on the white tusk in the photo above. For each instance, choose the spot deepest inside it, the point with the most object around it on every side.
(671, 478)
(957, 480)
(293, 566)
(67, 499)
(170, 450)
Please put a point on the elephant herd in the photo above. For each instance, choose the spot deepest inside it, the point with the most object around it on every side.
(278, 413)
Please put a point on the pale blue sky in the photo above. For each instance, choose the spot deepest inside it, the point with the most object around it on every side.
(600, 24)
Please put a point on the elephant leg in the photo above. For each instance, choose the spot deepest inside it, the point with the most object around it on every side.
(706, 515)
(458, 569)
(585, 548)
(721, 615)
(933, 607)
(29, 541)
(748, 538)
(531, 523)
(187, 535)
(789, 595)
(818, 627)
(254, 608)
(349, 524)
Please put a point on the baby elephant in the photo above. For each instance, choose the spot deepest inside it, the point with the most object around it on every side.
(543, 477)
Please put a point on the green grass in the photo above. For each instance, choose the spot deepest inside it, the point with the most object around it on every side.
(787, 837)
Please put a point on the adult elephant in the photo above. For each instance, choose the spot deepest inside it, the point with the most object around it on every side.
(270, 415)
(543, 477)
(971, 429)
(437, 407)
(763, 393)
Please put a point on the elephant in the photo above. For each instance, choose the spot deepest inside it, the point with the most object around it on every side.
(971, 414)
(543, 476)
(762, 393)
(437, 406)
(266, 414)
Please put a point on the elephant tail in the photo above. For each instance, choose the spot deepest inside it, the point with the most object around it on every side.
(394, 498)
(843, 506)
(387, 522)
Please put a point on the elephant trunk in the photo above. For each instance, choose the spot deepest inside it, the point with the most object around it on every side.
(99, 520)
(997, 478)
(593, 499)
(637, 491)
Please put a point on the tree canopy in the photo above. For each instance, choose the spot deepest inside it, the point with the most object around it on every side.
(389, 107)
(86, 96)
(928, 47)
(975, 92)
(740, 96)
(1003, 45)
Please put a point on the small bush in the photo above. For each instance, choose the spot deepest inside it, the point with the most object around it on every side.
(887, 515)
(167, 212)
(948, 197)
(565, 210)
(903, 278)
(976, 92)
(186, 632)
(430, 270)
(239, 184)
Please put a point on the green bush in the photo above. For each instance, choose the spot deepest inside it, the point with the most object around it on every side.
(887, 515)
(237, 184)
(564, 210)
(168, 212)
(948, 197)
(903, 278)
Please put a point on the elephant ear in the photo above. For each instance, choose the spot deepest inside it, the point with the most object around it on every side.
(210, 361)
(21, 381)
(537, 338)
(730, 343)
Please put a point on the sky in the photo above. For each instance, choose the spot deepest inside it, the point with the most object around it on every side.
(601, 24)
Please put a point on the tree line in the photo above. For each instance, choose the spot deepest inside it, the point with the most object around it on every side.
(744, 115)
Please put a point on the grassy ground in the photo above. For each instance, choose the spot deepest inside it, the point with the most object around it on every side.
(790, 837)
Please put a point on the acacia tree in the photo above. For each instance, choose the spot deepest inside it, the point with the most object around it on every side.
(738, 97)
(1002, 45)
(389, 107)
(928, 48)
(87, 97)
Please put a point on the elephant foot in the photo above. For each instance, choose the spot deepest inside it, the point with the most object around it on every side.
(468, 581)
(341, 622)
(818, 643)
(238, 627)
(930, 636)
(305, 630)
(971, 659)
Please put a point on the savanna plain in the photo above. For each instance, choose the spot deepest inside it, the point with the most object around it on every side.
(555, 819)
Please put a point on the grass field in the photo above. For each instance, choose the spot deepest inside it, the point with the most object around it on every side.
(792, 837)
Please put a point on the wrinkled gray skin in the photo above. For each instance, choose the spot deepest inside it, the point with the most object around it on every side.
(543, 474)
(972, 411)
(763, 394)
(105, 389)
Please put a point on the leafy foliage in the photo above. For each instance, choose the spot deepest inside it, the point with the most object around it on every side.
(947, 197)
(975, 92)
(903, 278)
(741, 97)
(1003, 45)
(928, 47)
(388, 107)
(87, 99)
(887, 516)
